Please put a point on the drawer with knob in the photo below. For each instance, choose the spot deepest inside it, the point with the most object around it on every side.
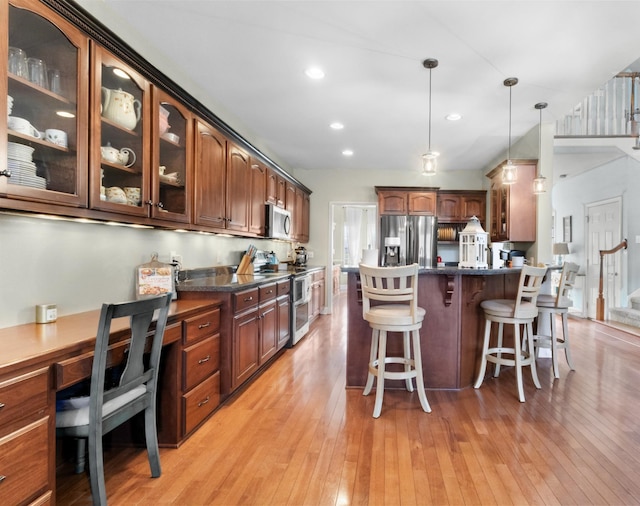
(24, 396)
(201, 326)
(200, 402)
(200, 361)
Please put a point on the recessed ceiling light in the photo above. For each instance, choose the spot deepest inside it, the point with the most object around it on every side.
(336, 125)
(454, 116)
(347, 152)
(314, 73)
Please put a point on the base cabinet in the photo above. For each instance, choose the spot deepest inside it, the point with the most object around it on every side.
(317, 294)
(26, 468)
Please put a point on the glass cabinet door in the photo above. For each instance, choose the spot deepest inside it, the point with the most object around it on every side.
(120, 156)
(46, 70)
(172, 159)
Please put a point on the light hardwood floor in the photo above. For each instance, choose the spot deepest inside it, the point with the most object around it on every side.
(297, 436)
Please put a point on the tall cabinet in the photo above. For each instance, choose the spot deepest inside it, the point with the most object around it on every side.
(45, 140)
(513, 207)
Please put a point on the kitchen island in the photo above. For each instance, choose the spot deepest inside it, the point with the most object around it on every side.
(451, 334)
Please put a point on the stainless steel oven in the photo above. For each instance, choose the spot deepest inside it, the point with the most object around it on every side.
(301, 295)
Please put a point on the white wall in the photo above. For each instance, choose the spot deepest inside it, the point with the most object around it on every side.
(619, 178)
(78, 266)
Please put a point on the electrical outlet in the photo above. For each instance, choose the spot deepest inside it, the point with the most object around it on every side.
(175, 258)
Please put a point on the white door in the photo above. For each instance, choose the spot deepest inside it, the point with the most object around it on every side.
(603, 232)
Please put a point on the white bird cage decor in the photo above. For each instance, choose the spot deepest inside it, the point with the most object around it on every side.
(473, 246)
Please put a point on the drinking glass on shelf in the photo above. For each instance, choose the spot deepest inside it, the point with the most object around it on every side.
(54, 81)
(37, 72)
(18, 62)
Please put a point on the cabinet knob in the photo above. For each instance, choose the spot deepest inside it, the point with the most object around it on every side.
(248, 299)
(149, 202)
(160, 205)
(6, 173)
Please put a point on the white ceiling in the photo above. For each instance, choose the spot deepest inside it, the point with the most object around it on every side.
(245, 60)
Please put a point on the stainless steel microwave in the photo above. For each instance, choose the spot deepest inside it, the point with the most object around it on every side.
(278, 222)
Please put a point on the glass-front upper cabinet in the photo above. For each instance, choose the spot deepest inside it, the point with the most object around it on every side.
(171, 163)
(43, 144)
(120, 154)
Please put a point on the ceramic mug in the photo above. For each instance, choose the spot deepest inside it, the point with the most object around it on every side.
(22, 126)
(55, 136)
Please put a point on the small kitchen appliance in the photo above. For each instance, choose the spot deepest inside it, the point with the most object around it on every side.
(301, 256)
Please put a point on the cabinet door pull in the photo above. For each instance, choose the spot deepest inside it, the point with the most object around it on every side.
(6, 173)
(205, 359)
(1, 405)
(2, 477)
(202, 403)
(248, 299)
(204, 325)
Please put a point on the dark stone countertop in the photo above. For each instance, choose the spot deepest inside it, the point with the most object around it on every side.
(454, 271)
(225, 280)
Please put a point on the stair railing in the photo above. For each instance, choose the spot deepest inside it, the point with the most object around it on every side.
(600, 301)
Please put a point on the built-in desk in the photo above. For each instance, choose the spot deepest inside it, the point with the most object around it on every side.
(36, 360)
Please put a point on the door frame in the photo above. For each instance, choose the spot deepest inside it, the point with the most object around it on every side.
(333, 205)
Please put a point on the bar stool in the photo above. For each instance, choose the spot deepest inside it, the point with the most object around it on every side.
(397, 289)
(519, 311)
(551, 306)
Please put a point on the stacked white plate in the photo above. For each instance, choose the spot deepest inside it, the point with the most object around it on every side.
(9, 104)
(23, 170)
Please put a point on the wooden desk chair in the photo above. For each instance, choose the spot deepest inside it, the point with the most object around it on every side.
(136, 391)
(552, 305)
(520, 311)
(397, 288)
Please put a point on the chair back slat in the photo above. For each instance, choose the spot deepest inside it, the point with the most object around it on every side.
(392, 285)
(137, 370)
(567, 280)
(528, 289)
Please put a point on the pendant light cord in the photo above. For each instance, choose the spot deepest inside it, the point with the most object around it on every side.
(509, 148)
(429, 148)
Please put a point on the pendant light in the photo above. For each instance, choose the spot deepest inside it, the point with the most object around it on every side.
(540, 180)
(430, 158)
(509, 170)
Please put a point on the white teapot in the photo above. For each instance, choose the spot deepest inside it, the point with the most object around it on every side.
(120, 107)
(112, 155)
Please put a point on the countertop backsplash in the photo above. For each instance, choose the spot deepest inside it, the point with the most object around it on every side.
(78, 266)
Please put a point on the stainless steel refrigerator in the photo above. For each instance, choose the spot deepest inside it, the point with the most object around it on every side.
(418, 240)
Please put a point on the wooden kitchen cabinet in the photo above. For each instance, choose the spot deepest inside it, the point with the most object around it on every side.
(246, 336)
(238, 189)
(513, 207)
(27, 462)
(459, 206)
(317, 294)
(210, 177)
(284, 312)
(171, 159)
(121, 105)
(268, 325)
(34, 169)
(257, 213)
(276, 188)
(407, 200)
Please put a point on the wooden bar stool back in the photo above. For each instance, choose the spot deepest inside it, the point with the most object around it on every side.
(553, 305)
(395, 292)
(519, 311)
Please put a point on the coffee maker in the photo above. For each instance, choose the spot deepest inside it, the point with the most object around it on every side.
(391, 251)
